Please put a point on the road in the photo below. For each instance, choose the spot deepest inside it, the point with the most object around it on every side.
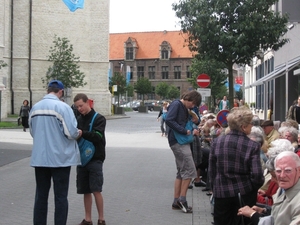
(139, 173)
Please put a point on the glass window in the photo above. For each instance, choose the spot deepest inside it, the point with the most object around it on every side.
(165, 72)
(129, 53)
(177, 72)
(164, 54)
(188, 72)
(151, 72)
(140, 72)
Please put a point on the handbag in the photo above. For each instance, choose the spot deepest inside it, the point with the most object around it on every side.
(86, 148)
(19, 121)
(183, 139)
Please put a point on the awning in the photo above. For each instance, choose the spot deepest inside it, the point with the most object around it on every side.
(277, 72)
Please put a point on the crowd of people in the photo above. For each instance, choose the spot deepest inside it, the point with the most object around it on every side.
(249, 164)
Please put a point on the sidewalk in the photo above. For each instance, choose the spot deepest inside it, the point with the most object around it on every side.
(138, 186)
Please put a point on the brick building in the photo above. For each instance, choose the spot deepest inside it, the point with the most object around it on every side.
(160, 56)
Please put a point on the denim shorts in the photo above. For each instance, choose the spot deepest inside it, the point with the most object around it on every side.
(90, 177)
(184, 161)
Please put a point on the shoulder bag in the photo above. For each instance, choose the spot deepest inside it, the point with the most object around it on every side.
(183, 139)
(86, 148)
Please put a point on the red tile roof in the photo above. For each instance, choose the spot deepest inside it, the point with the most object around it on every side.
(149, 44)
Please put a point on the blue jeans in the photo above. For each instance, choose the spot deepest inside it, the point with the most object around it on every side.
(60, 176)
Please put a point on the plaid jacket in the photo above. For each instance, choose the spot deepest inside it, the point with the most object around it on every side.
(234, 165)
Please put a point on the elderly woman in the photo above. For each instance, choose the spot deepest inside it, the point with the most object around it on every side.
(291, 134)
(235, 168)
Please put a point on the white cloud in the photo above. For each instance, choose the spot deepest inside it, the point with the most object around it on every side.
(142, 15)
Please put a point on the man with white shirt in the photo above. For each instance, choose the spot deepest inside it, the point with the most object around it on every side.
(224, 104)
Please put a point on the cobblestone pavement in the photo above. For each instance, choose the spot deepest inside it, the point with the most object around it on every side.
(139, 174)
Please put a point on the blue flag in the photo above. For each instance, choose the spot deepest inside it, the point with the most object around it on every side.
(74, 4)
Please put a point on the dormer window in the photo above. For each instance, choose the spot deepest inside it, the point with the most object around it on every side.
(129, 53)
(165, 50)
(130, 48)
(164, 54)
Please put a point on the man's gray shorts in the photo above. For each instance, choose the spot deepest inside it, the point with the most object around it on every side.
(184, 161)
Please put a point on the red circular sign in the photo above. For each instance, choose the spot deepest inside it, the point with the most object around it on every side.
(203, 80)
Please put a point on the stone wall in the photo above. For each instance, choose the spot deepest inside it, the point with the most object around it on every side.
(88, 32)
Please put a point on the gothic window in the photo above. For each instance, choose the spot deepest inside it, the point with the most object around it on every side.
(165, 50)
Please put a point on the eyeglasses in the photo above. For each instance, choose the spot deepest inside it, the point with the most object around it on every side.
(286, 171)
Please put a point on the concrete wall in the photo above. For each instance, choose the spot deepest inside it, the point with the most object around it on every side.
(88, 31)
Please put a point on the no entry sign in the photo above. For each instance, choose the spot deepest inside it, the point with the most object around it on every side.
(203, 80)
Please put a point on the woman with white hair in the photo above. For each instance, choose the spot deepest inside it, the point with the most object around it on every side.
(234, 167)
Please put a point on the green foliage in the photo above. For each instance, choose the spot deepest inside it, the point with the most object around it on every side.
(119, 80)
(65, 64)
(162, 90)
(143, 86)
(231, 31)
(173, 92)
(130, 90)
(213, 69)
(8, 124)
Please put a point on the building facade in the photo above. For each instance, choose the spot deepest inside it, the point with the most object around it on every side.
(27, 30)
(160, 56)
(271, 81)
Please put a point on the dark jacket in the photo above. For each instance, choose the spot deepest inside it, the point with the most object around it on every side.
(97, 135)
(177, 118)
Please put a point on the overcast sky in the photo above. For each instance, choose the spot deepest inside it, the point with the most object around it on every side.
(142, 15)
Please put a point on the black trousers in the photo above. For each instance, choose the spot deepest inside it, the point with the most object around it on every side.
(225, 209)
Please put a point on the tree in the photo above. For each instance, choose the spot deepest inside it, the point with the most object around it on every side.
(173, 92)
(65, 64)
(216, 72)
(120, 81)
(162, 90)
(130, 90)
(231, 31)
(143, 86)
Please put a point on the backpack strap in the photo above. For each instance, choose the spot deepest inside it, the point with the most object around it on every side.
(92, 122)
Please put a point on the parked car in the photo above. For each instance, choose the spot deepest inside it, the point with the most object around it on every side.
(136, 105)
(150, 105)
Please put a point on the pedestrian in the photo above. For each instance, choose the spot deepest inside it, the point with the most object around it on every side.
(294, 111)
(234, 167)
(224, 103)
(54, 130)
(177, 119)
(162, 117)
(24, 114)
(90, 176)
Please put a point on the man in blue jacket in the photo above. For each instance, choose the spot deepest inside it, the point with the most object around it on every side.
(54, 130)
(177, 118)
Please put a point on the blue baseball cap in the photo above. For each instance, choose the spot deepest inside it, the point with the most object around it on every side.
(56, 84)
